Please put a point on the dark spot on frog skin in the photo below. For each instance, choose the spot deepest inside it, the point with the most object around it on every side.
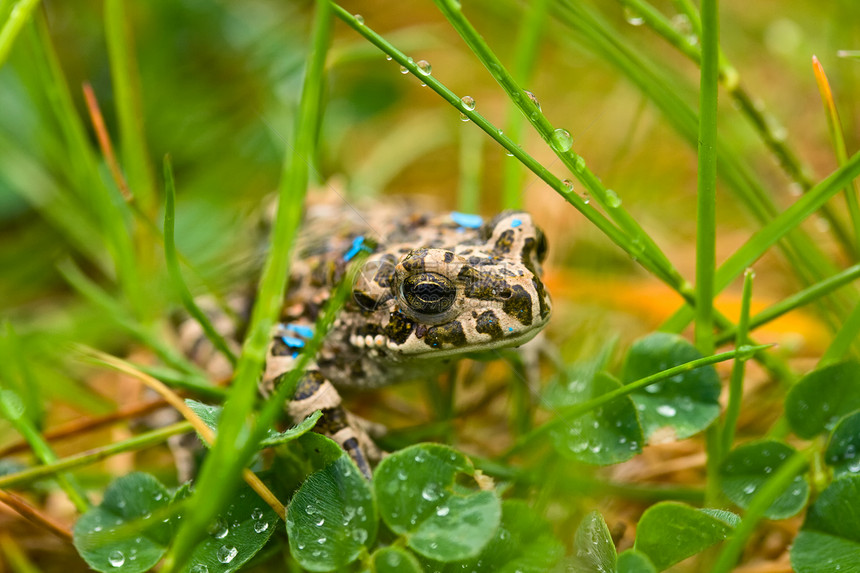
(364, 301)
(504, 243)
(331, 421)
(399, 327)
(541, 294)
(519, 305)
(308, 384)
(488, 323)
(449, 333)
(385, 272)
(420, 331)
(449, 256)
(414, 262)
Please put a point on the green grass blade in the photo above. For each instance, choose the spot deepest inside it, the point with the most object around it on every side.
(847, 336)
(777, 484)
(595, 217)
(118, 313)
(110, 210)
(837, 137)
(18, 17)
(560, 141)
(172, 260)
(139, 442)
(733, 407)
(707, 180)
(528, 42)
(126, 85)
(234, 447)
(15, 409)
(471, 163)
(796, 300)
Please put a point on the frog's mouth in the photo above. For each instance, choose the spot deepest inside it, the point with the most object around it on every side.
(517, 339)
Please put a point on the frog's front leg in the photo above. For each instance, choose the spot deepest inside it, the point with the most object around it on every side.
(313, 392)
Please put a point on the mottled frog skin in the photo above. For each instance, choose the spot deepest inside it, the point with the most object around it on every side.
(431, 289)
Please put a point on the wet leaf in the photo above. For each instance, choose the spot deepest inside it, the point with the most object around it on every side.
(120, 534)
(829, 540)
(418, 499)
(332, 518)
(747, 468)
(669, 532)
(819, 399)
(688, 402)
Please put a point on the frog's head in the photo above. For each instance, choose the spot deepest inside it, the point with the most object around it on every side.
(484, 292)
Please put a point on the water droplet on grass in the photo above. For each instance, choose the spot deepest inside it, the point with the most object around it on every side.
(561, 140)
(632, 16)
(612, 199)
(534, 99)
(359, 18)
(468, 102)
(424, 67)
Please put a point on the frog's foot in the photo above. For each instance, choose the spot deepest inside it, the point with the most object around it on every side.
(313, 393)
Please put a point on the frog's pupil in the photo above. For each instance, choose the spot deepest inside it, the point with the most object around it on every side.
(428, 293)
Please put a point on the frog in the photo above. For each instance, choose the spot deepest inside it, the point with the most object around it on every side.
(431, 288)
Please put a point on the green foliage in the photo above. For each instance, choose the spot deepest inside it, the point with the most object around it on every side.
(686, 403)
(670, 532)
(419, 499)
(843, 448)
(212, 414)
(822, 397)
(829, 540)
(116, 533)
(274, 103)
(132, 527)
(745, 470)
(608, 434)
(594, 549)
(332, 518)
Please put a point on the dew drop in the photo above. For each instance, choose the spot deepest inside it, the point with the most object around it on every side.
(403, 70)
(359, 18)
(561, 140)
(468, 102)
(750, 489)
(219, 529)
(586, 198)
(463, 117)
(633, 18)
(612, 199)
(116, 558)
(442, 510)
(199, 568)
(320, 522)
(666, 410)
(534, 99)
(226, 553)
(322, 539)
(388, 57)
(430, 492)
(424, 67)
(360, 535)
(568, 184)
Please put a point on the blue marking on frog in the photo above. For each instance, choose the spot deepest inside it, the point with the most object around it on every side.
(467, 220)
(357, 246)
(301, 330)
(516, 223)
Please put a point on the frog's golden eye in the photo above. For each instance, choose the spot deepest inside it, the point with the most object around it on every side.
(428, 293)
(542, 247)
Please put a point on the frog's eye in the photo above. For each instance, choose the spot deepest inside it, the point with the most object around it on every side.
(428, 293)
